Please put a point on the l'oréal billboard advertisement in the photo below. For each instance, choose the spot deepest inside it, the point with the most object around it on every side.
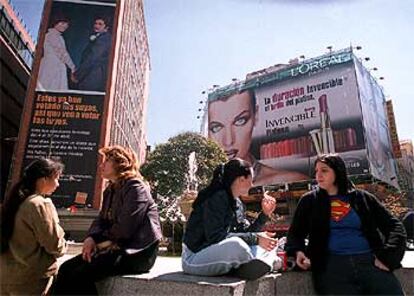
(280, 122)
(377, 136)
(68, 93)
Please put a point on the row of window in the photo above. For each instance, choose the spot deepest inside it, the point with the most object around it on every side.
(121, 135)
(14, 37)
(127, 125)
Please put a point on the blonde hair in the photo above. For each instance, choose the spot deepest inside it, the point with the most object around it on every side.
(124, 160)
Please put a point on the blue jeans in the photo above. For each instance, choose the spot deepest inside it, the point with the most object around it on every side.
(221, 258)
(355, 275)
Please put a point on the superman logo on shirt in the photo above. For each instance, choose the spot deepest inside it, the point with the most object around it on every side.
(339, 209)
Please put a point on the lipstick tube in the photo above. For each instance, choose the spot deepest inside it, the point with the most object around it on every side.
(326, 134)
(315, 140)
(323, 109)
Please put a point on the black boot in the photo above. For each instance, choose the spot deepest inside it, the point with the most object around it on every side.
(252, 270)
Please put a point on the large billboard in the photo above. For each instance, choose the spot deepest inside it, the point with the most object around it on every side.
(67, 97)
(377, 135)
(280, 121)
(76, 47)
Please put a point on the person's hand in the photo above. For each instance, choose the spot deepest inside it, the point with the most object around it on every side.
(302, 261)
(73, 78)
(88, 249)
(266, 240)
(268, 204)
(380, 265)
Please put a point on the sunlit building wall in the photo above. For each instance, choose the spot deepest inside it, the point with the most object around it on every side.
(128, 125)
(17, 48)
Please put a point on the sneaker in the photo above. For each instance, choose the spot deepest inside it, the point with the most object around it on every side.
(277, 264)
(252, 270)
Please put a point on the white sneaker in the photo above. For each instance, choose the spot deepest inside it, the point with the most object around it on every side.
(277, 264)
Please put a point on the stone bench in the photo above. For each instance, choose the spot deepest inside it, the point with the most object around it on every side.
(167, 278)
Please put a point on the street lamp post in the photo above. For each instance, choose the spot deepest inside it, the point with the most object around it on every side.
(203, 114)
(329, 47)
(203, 109)
(357, 47)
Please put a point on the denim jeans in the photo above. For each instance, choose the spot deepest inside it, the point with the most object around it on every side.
(221, 258)
(355, 275)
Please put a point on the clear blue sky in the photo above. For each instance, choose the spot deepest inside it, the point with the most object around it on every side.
(197, 43)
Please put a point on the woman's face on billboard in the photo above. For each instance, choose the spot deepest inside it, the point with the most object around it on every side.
(230, 123)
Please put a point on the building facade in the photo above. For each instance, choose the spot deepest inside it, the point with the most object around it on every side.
(128, 125)
(393, 130)
(406, 165)
(17, 49)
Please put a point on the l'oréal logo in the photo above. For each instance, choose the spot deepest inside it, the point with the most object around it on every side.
(318, 65)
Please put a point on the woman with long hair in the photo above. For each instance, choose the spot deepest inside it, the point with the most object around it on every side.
(218, 238)
(354, 241)
(124, 238)
(31, 237)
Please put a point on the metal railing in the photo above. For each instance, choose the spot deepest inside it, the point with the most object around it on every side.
(14, 38)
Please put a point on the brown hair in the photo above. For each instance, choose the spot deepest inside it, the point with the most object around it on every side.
(106, 19)
(57, 18)
(251, 93)
(124, 160)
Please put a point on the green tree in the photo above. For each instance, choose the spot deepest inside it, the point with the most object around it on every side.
(167, 164)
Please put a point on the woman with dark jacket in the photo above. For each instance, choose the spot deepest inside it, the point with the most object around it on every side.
(218, 238)
(124, 238)
(354, 241)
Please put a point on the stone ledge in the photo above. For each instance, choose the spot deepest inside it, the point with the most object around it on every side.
(167, 278)
(300, 283)
(179, 283)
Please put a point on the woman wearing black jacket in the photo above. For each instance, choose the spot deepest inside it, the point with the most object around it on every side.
(354, 241)
(218, 238)
(124, 238)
